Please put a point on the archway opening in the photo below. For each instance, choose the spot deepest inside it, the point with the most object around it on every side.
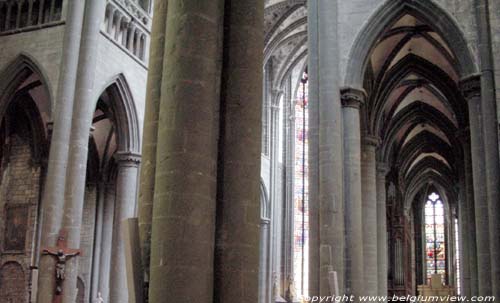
(414, 106)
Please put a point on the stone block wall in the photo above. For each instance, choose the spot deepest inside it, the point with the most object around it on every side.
(19, 189)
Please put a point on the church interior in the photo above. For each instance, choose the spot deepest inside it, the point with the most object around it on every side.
(253, 151)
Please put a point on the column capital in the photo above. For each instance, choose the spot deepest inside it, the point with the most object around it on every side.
(471, 86)
(127, 158)
(352, 97)
(371, 140)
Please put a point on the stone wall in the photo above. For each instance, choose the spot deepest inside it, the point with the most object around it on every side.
(19, 192)
(43, 46)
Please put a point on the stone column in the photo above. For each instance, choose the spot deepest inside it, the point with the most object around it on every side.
(275, 189)
(238, 209)
(326, 161)
(288, 216)
(53, 193)
(382, 171)
(182, 239)
(370, 224)
(471, 218)
(150, 132)
(490, 133)
(83, 110)
(96, 253)
(313, 148)
(111, 19)
(471, 90)
(265, 286)
(463, 217)
(126, 195)
(107, 239)
(351, 101)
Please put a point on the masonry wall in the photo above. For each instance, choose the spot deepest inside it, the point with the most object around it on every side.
(19, 188)
(44, 46)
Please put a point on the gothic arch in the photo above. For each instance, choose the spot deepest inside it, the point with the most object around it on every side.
(125, 114)
(16, 72)
(390, 12)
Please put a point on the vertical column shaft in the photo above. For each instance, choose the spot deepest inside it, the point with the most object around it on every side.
(78, 151)
(471, 90)
(186, 156)
(351, 100)
(313, 148)
(275, 182)
(331, 215)
(288, 216)
(238, 209)
(464, 224)
(96, 253)
(369, 193)
(382, 171)
(463, 246)
(490, 133)
(471, 218)
(53, 193)
(126, 186)
(265, 286)
(150, 132)
(107, 240)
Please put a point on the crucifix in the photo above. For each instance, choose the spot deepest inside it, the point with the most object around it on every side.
(62, 254)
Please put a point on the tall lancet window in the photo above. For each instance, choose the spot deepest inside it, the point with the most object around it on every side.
(434, 236)
(301, 211)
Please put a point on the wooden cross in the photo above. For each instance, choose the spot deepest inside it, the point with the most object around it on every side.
(62, 254)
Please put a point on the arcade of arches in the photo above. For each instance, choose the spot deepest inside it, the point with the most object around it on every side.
(248, 151)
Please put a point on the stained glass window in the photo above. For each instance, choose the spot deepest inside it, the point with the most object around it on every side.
(435, 259)
(301, 207)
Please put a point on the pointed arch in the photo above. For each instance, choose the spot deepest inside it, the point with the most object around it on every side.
(17, 71)
(390, 12)
(125, 113)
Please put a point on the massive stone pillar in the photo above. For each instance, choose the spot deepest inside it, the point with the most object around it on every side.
(351, 101)
(107, 240)
(382, 171)
(369, 193)
(326, 161)
(238, 209)
(490, 133)
(313, 148)
(183, 225)
(150, 131)
(472, 92)
(126, 194)
(53, 193)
